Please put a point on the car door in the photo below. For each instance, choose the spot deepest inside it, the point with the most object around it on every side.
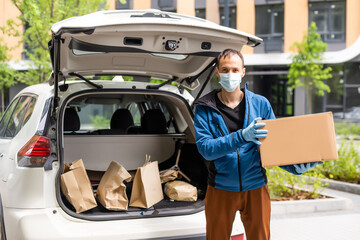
(15, 117)
(150, 43)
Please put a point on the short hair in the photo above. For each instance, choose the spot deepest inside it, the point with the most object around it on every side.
(228, 53)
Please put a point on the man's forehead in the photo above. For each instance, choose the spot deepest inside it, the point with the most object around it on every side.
(233, 57)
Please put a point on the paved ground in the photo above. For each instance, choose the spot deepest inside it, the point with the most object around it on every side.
(337, 225)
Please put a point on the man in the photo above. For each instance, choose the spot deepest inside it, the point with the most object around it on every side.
(227, 135)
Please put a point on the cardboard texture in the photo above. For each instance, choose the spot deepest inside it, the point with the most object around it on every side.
(181, 191)
(76, 187)
(299, 139)
(146, 190)
(111, 192)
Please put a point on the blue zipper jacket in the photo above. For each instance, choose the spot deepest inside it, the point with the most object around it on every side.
(235, 164)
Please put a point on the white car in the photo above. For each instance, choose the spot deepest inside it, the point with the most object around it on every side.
(78, 115)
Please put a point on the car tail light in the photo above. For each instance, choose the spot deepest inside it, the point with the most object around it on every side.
(238, 237)
(35, 152)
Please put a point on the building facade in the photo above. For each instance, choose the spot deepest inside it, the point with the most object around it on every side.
(279, 23)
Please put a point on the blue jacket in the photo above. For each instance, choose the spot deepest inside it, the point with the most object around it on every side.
(235, 164)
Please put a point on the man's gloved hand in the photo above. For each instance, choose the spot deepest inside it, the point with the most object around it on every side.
(252, 134)
(304, 167)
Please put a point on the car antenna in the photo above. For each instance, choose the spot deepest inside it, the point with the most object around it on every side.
(86, 80)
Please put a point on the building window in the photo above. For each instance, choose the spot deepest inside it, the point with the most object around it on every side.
(232, 16)
(200, 6)
(123, 4)
(343, 100)
(330, 20)
(269, 25)
(200, 13)
(165, 5)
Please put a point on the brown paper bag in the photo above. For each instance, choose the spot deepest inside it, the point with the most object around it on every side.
(111, 192)
(168, 175)
(76, 187)
(181, 191)
(146, 190)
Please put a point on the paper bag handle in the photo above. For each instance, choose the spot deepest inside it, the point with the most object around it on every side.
(147, 158)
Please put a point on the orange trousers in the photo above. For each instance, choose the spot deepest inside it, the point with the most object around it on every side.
(221, 207)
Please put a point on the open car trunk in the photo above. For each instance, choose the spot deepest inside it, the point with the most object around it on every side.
(97, 140)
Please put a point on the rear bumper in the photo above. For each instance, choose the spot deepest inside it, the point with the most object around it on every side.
(54, 224)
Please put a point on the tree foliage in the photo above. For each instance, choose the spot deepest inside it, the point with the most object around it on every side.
(7, 75)
(306, 69)
(38, 16)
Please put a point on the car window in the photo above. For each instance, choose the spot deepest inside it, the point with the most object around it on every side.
(96, 113)
(6, 116)
(95, 116)
(135, 112)
(29, 111)
(23, 110)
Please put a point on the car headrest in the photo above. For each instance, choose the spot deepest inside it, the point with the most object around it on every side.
(71, 120)
(154, 122)
(121, 119)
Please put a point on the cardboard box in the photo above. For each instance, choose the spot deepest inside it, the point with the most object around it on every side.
(299, 139)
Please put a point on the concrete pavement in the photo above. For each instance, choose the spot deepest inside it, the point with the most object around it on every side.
(330, 225)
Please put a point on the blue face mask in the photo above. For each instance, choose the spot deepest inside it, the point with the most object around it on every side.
(230, 81)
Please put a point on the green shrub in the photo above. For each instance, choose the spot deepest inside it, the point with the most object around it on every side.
(100, 122)
(347, 167)
(345, 128)
(283, 184)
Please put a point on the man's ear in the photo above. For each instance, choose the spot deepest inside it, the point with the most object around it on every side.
(243, 72)
(217, 73)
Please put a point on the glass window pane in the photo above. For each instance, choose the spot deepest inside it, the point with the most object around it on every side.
(135, 112)
(337, 21)
(330, 20)
(6, 117)
(353, 103)
(200, 13)
(335, 97)
(352, 71)
(17, 117)
(232, 17)
(262, 21)
(279, 21)
(319, 16)
(95, 116)
(29, 111)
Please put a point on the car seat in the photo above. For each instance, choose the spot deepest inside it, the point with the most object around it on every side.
(71, 120)
(121, 120)
(154, 122)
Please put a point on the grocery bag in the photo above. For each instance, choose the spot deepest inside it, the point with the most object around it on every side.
(146, 190)
(181, 191)
(111, 192)
(76, 186)
(168, 175)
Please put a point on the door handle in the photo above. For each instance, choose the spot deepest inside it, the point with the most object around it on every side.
(1, 155)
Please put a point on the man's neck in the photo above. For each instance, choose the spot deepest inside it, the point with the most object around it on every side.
(231, 99)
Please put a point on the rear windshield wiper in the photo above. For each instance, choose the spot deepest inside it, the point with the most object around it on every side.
(86, 80)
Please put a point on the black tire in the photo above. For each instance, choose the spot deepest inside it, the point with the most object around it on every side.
(2, 223)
